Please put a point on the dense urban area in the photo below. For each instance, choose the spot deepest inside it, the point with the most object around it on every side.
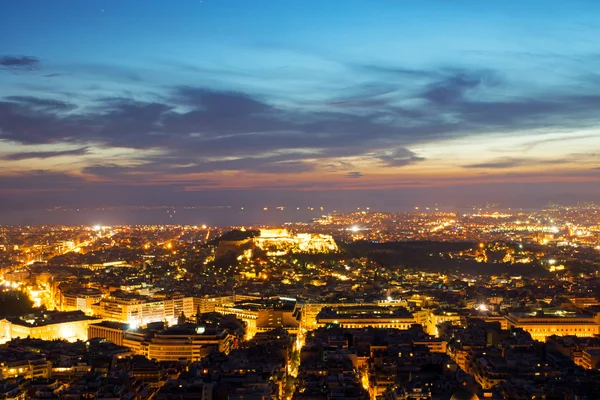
(362, 305)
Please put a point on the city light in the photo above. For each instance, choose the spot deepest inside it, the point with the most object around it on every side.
(399, 162)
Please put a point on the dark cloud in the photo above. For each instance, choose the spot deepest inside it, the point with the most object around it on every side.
(373, 94)
(49, 181)
(355, 174)
(55, 75)
(399, 72)
(338, 165)
(44, 154)
(454, 87)
(19, 63)
(475, 102)
(170, 164)
(39, 180)
(196, 129)
(507, 162)
(219, 123)
(219, 104)
(41, 103)
(399, 158)
(108, 171)
(500, 164)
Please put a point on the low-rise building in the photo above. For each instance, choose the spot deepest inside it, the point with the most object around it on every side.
(79, 299)
(128, 308)
(109, 330)
(185, 342)
(542, 324)
(590, 358)
(51, 325)
(366, 316)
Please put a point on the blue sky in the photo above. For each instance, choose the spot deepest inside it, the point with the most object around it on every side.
(359, 97)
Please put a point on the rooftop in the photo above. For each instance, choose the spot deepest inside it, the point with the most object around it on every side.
(365, 312)
(51, 317)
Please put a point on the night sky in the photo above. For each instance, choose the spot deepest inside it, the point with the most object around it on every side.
(340, 104)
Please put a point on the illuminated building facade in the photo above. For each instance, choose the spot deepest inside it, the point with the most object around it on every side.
(247, 312)
(187, 342)
(590, 358)
(308, 316)
(130, 309)
(79, 299)
(109, 330)
(309, 312)
(437, 317)
(263, 316)
(366, 316)
(542, 325)
(278, 242)
(26, 367)
(281, 316)
(177, 305)
(71, 326)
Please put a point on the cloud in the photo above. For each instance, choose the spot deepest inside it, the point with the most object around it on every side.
(399, 157)
(507, 162)
(217, 124)
(44, 104)
(391, 70)
(39, 180)
(281, 164)
(220, 103)
(44, 154)
(105, 71)
(355, 174)
(499, 164)
(453, 88)
(203, 130)
(19, 63)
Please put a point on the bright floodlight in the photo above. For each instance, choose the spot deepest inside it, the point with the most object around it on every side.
(389, 298)
(354, 228)
(482, 307)
(97, 227)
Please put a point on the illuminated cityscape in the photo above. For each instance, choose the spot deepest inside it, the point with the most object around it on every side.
(299, 200)
(381, 294)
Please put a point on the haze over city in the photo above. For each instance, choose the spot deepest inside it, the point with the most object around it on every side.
(299, 104)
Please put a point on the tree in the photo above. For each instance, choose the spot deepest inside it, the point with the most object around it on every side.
(14, 303)
(198, 315)
(181, 319)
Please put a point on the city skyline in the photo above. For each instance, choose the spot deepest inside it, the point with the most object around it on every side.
(388, 104)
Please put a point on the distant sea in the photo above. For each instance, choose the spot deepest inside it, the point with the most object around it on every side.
(211, 216)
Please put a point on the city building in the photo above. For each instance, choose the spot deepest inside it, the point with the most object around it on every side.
(263, 315)
(366, 316)
(79, 299)
(590, 358)
(544, 323)
(50, 325)
(109, 330)
(131, 309)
